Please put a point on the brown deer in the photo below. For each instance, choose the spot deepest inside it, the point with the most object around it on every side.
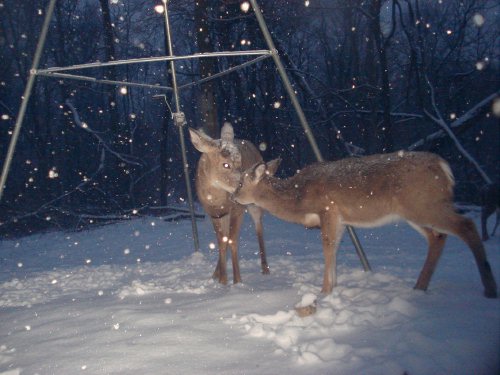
(490, 202)
(219, 161)
(368, 192)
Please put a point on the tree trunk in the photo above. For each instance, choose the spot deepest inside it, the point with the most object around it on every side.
(207, 108)
(109, 50)
(384, 129)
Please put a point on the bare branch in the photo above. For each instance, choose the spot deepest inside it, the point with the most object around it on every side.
(129, 159)
(446, 129)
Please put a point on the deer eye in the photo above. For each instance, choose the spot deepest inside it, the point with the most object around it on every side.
(226, 165)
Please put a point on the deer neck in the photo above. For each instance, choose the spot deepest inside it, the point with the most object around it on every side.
(281, 198)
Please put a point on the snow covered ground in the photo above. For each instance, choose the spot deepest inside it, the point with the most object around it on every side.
(132, 298)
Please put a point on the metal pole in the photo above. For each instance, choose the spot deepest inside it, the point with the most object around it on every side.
(227, 71)
(154, 59)
(102, 81)
(181, 130)
(302, 118)
(26, 95)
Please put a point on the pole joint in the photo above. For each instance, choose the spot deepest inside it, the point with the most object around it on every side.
(179, 119)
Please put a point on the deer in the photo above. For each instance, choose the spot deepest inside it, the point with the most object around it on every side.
(214, 177)
(368, 191)
(490, 202)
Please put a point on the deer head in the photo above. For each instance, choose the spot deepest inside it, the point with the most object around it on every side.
(248, 186)
(223, 157)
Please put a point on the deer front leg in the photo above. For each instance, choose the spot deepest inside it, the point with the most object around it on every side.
(331, 233)
(256, 214)
(221, 227)
(234, 232)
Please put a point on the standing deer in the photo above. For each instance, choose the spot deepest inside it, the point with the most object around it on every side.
(368, 192)
(219, 161)
(490, 202)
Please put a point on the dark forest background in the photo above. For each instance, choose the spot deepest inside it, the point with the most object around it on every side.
(372, 76)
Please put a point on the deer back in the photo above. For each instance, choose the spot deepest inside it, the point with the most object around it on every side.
(366, 191)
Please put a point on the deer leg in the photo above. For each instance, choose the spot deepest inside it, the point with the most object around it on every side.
(221, 227)
(486, 212)
(256, 214)
(234, 231)
(436, 243)
(331, 233)
(496, 222)
(465, 229)
(468, 233)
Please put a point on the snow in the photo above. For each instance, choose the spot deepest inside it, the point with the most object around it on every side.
(77, 302)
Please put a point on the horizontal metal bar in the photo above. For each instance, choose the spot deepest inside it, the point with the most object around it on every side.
(227, 71)
(154, 59)
(77, 77)
(102, 81)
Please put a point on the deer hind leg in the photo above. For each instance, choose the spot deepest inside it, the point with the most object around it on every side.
(234, 231)
(496, 222)
(486, 212)
(256, 214)
(465, 229)
(221, 227)
(331, 234)
(435, 241)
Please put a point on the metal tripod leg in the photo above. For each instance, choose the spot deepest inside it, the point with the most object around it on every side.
(26, 96)
(180, 121)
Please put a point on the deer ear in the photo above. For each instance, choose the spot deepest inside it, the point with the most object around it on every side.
(272, 166)
(260, 171)
(227, 133)
(201, 141)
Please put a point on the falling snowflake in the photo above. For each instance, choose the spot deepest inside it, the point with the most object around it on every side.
(159, 9)
(478, 19)
(245, 6)
(53, 173)
(480, 65)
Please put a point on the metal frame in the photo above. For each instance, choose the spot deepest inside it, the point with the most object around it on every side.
(178, 116)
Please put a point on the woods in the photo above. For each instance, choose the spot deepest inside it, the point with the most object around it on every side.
(372, 76)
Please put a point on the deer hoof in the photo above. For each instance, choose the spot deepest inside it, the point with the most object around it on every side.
(304, 311)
